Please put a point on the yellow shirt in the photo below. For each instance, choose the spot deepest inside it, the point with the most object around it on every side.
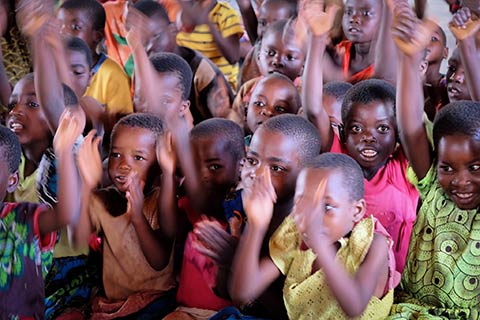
(228, 23)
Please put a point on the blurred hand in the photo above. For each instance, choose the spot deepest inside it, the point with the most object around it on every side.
(89, 161)
(71, 125)
(464, 24)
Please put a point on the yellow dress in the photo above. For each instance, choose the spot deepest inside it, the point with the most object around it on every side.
(307, 295)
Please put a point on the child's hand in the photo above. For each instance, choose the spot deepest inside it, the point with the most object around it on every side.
(258, 198)
(410, 34)
(214, 242)
(32, 15)
(89, 161)
(464, 24)
(134, 196)
(308, 216)
(166, 153)
(318, 21)
(139, 28)
(72, 123)
(196, 13)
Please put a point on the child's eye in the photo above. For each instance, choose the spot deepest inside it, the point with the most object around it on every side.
(355, 129)
(452, 69)
(271, 53)
(446, 169)
(263, 23)
(259, 104)
(252, 161)
(475, 167)
(139, 158)
(213, 167)
(434, 39)
(349, 12)
(291, 58)
(75, 27)
(33, 105)
(11, 105)
(114, 155)
(366, 13)
(280, 109)
(277, 168)
(328, 207)
(383, 128)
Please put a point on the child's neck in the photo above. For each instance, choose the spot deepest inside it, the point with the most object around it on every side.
(33, 154)
(433, 74)
(95, 57)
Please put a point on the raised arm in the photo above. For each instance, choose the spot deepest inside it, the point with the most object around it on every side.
(411, 37)
(249, 18)
(319, 24)
(252, 274)
(465, 28)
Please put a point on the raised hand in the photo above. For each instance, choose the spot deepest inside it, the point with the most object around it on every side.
(308, 215)
(32, 15)
(134, 196)
(318, 20)
(89, 161)
(258, 197)
(166, 153)
(72, 123)
(140, 28)
(464, 24)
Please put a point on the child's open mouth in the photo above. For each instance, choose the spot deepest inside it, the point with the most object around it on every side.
(368, 153)
(16, 126)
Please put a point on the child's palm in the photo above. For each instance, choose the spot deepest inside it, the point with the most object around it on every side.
(258, 199)
(32, 15)
(166, 153)
(72, 123)
(89, 161)
(319, 22)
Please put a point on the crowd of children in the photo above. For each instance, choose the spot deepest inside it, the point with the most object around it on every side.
(161, 169)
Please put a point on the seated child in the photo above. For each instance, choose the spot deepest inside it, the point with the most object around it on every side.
(440, 276)
(280, 53)
(369, 137)
(214, 29)
(269, 12)
(28, 230)
(137, 240)
(109, 84)
(338, 264)
(333, 94)
(210, 94)
(274, 94)
(296, 143)
(218, 150)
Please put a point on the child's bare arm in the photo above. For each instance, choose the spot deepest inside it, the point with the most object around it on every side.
(168, 212)
(319, 24)
(252, 274)
(67, 209)
(249, 17)
(465, 27)
(411, 37)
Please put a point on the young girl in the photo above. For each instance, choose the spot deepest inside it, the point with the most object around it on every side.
(369, 136)
(137, 240)
(440, 278)
(325, 247)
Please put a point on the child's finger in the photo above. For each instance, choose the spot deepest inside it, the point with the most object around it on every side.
(268, 183)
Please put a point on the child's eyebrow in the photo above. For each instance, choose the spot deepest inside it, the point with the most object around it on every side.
(275, 159)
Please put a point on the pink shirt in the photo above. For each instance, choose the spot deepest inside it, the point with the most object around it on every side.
(392, 199)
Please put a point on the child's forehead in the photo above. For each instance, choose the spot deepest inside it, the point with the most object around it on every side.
(133, 132)
(374, 107)
(363, 3)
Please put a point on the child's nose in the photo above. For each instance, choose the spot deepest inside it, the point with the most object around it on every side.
(368, 136)
(277, 61)
(457, 76)
(461, 179)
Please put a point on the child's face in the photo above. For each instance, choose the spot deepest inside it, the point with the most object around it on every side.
(163, 36)
(77, 23)
(370, 133)
(270, 11)
(271, 97)
(277, 55)
(80, 71)
(26, 117)
(341, 213)
(218, 169)
(361, 19)
(169, 98)
(278, 153)
(133, 149)
(456, 82)
(436, 50)
(458, 170)
(333, 107)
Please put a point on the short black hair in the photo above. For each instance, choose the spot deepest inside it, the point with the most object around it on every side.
(152, 8)
(287, 81)
(367, 91)
(304, 133)
(457, 118)
(95, 11)
(141, 120)
(10, 149)
(222, 130)
(336, 89)
(291, 5)
(276, 27)
(69, 97)
(166, 62)
(350, 169)
(78, 45)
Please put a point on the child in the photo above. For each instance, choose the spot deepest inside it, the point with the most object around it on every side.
(137, 242)
(27, 230)
(273, 95)
(269, 12)
(218, 152)
(109, 84)
(296, 143)
(440, 275)
(333, 94)
(281, 53)
(331, 271)
(215, 29)
(369, 136)
(211, 94)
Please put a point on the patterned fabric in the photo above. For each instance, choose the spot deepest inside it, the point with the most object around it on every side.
(16, 56)
(307, 295)
(441, 277)
(229, 23)
(345, 47)
(26, 190)
(21, 269)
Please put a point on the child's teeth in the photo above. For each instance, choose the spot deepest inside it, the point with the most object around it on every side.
(369, 153)
(464, 195)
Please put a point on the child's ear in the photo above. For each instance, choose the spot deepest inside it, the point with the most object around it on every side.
(184, 107)
(360, 208)
(13, 182)
(98, 36)
(445, 53)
